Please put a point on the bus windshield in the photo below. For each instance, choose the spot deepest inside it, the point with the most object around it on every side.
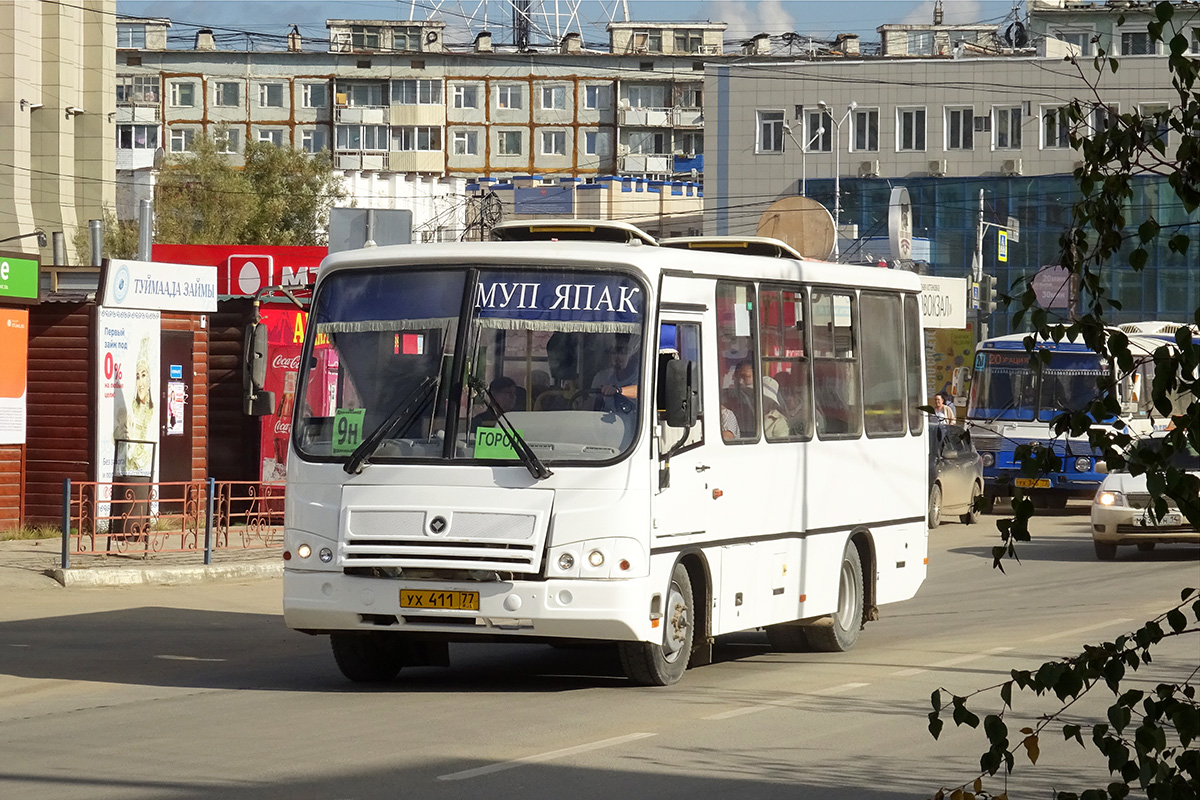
(557, 354)
(1006, 387)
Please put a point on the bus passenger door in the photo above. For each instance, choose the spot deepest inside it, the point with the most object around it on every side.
(682, 501)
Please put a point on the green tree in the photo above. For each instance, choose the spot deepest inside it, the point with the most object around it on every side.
(120, 238)
(1150, 739)
(280, 197)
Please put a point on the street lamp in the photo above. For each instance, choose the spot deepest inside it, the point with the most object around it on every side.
(803, 153)
(837, 172)
(39, 233)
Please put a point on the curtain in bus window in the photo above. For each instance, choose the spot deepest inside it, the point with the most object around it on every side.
(883, 364)
(787, 388)
(835, 365)
(914, 346)
(736, 359)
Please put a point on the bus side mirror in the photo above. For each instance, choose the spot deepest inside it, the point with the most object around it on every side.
(683, 393)
(256, 402)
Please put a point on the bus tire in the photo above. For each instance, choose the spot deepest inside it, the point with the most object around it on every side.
(935, 506)
(367, 657)
(787, 638)
(663, 663)
(839, 632)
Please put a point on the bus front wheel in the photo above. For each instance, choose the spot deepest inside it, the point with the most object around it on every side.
(367, 657)
(839, 633)
(662, 663)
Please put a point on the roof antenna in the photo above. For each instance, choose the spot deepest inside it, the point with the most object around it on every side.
(937, 13)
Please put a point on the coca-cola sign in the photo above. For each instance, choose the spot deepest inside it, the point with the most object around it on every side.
(285, 363)
(283, 427)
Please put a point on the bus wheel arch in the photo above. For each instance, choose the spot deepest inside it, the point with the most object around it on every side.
(700, 573)
(663, 662)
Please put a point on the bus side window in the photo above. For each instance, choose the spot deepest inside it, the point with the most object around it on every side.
(738, 362)
(678, 341)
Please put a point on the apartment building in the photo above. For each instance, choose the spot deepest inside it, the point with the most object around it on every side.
(409, 121)
(952, 128)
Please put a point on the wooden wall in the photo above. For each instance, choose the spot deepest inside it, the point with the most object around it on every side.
(234, 438)
(12, 468)
(198, 327)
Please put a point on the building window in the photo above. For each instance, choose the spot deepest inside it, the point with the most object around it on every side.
(137, 137)
(271, 136)
(509, 143)
(270, 95)
(227, 93)
(910, 135)
(554, 143)
(183, 95)
(770, 131)
(554, 97)
(407, 38)
(688, 41)
(508, 96)
(466, 95)
(1081, 38)
(648, 41)
(181, 139)
(363, 37)
(364, 94)
(1007, 129)
(466, 143)
(1154, 122)
(1056, 128)
(362, 137)
(417, 92)
(692, 143)
(647, 143)
(865, 130)
(229, 140)
(314, 140)
(647, 96)
(597, 143)
(137, 89)
(412, 138)
(960, 128)
(597, 97)
(315, 95)
(131, 35)
(818, 132)
(692, 98)
(1136, 43)
(1195, 40)
(920, 43)
(1103, 117)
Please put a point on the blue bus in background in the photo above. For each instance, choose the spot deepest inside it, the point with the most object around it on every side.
(1012, 404)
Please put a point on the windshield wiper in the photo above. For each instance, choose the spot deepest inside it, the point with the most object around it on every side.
(524, 452)
(401, 419)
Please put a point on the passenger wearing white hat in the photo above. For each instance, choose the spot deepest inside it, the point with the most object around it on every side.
(775, 424)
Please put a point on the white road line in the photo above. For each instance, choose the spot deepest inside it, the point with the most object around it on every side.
(738, 712)
(1085, 629)
(550, 756)
(950, 662)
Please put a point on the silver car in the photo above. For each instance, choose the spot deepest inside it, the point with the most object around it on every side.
(1122, 513)
(955, 474)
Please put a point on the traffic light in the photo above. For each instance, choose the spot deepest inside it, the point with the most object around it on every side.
(987, 294)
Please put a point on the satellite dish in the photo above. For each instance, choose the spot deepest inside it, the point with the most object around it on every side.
(159, 155)
(431, 37)
(802, 223)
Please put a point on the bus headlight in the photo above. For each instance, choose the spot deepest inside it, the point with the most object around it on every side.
(304, 551)
(596, 558)
(1083, 464)
(566, 561)
(326, 555)
(989, 459)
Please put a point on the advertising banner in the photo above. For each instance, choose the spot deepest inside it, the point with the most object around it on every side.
(157, 286)
(14, 373)
(244, 269)
(127, 415)
(943, 302)
(948, 359)
(285, 338)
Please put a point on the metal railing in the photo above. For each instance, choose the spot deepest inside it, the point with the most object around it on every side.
(144, 517)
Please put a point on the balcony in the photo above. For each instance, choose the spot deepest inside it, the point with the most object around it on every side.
(362, 115)
(638, 162)
(645, 117)
(365, 162)
(146, 113)
(687, 117)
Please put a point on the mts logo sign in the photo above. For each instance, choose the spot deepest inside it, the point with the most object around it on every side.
(242, 270)
(245, 274)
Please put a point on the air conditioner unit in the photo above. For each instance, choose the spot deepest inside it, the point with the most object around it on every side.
(341, 99)
(938, 168)
(869, 169)
(1011, 166)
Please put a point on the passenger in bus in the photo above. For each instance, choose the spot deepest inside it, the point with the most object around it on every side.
(729, 424)
(620, 376)
(775, 424)
(793, 401)
(741, 400)
(506, 394)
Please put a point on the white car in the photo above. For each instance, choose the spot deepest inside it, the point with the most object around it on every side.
(1122, 513)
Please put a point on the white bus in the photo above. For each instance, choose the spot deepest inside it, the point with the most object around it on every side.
(582, 440)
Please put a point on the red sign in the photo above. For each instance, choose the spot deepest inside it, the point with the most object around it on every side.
(244, 269)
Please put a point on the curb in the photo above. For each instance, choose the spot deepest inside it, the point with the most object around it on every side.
(161, 576)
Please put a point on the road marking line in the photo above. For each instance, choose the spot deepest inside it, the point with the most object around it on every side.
(541, 757)
(950, 662)
(738, 712)
(1085, 629)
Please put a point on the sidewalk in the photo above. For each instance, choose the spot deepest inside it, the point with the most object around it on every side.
(36, 563)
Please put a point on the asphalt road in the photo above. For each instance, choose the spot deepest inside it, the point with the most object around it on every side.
(199, 691)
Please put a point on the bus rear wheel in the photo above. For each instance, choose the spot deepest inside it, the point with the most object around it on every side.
(663, 663)
(840, 632)
(367, 657)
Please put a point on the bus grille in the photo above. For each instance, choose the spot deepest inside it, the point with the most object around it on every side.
(470, 540)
